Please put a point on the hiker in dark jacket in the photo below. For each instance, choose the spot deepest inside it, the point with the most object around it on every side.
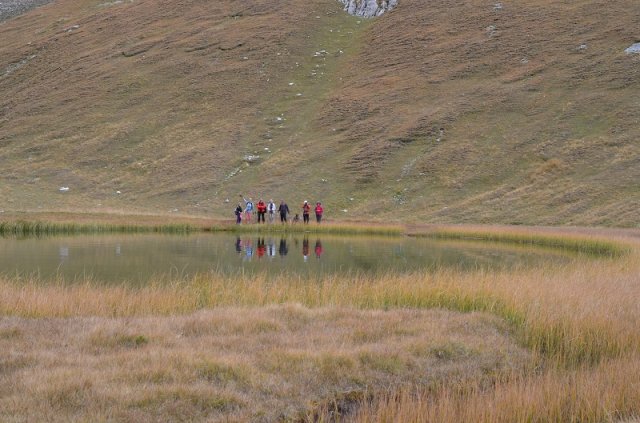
(238, 214)
(284, 211)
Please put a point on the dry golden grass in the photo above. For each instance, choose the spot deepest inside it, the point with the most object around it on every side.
(556, 309)
(609, 392)
(236, 364)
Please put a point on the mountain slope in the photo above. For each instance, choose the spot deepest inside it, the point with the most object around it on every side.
(439, 111)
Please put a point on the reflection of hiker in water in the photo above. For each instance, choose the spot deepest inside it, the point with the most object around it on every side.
(305, 248)
(283, 250)
(238, 245)
(261, 248)
(271, 248)
(318, 249)
(248, 249)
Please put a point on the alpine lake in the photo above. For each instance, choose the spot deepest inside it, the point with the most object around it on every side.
(137, 259)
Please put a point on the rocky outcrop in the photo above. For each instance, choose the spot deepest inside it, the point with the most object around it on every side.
(368, 8)
(11, 8)
(634, 49)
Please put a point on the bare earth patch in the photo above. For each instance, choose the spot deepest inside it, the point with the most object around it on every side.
(266, 364)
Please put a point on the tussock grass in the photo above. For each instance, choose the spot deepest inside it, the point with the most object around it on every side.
(84, 369)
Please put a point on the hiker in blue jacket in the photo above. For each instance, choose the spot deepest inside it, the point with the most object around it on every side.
(248, 209)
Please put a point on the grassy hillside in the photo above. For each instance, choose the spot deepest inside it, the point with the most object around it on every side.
(440, 111)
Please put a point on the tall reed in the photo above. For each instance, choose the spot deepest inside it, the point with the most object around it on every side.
(608, 392)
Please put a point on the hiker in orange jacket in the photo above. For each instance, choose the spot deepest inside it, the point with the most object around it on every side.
(306, 208)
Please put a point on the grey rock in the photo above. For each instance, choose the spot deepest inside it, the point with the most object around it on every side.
(12, 8)
(634, 49)
(251, 158)
(368, 8)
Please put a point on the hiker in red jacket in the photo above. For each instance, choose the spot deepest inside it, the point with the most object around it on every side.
(306, 208)
(262, 209)
(319, 211)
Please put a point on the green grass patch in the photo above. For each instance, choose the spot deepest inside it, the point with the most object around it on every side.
(10, 333)
(580, 244)
(180, 401)
(450, 351)
(336, 229)
(41, 228)
(118, 340)
(389, 363)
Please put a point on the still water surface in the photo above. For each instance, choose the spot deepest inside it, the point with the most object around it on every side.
(140, 258)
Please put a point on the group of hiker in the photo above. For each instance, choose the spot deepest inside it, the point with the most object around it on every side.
(269, 210)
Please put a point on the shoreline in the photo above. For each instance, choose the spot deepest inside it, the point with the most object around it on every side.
(613, 242)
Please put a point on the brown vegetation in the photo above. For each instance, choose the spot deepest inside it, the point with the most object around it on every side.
(163, 101)
(237, 364)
